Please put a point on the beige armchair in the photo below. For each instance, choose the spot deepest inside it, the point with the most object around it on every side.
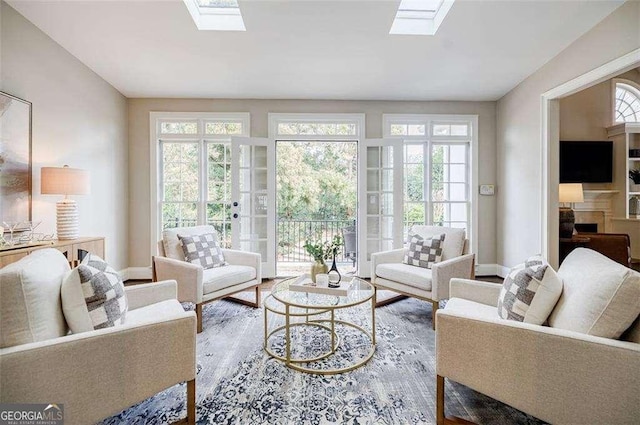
(557, 375)
(201, 286)
(95, 374)
(388, 271)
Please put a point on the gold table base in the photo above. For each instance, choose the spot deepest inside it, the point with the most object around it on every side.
(295, 363)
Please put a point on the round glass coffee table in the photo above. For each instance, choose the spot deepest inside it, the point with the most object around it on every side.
(306, 310)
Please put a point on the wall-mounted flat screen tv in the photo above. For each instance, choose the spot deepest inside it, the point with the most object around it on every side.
(586, 162)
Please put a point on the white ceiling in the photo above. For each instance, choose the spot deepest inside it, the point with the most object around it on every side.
(314, 49)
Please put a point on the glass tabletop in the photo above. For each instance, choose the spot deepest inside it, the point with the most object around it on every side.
(360, 292)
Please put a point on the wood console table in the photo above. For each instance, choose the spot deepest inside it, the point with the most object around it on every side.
(72, 249)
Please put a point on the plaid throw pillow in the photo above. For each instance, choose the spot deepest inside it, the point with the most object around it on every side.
(424, 252)
(93, 296)
(529, 292)
(203, 249)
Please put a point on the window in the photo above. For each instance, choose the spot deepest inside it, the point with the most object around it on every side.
(627, 106)
(316, 126)
(193, 153)
(438, 168)
(420, 17)
(217, 15)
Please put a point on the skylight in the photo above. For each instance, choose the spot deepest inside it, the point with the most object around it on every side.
(216, 15)
(420, 17)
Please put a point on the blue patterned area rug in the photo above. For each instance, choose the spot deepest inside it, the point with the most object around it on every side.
(238, 383)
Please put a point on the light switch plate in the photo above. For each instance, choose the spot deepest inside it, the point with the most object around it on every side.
(487, 189)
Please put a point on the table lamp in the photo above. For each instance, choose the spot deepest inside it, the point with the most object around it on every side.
(568, 192)
(65, 181)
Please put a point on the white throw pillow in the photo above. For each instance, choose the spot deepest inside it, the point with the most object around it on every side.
(600, 296)
(530, 292)
(93, 296)
(30, 308)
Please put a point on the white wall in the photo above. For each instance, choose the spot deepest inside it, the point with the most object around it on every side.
(139, 195)
(587, 114)
(79, 120)
(519, 151)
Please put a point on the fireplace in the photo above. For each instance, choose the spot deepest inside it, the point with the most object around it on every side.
(586, 227)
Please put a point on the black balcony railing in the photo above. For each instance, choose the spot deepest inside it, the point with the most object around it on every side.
(292, 235)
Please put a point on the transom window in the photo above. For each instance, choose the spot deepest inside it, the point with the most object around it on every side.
(438, 168)
(194, 169)
(627, 107)
(314, 126)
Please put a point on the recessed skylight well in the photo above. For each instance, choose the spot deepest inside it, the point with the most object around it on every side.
(216, 15)
(420, 17)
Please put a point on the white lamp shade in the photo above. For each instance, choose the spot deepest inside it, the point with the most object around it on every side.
(64, 181)
(570, 192)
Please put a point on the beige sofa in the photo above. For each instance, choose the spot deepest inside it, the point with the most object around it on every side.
(199, 286)
(98, 373)
(560, 376)
(388, 271)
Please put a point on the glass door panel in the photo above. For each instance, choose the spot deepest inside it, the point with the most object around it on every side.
(253, 192)
(380, 199)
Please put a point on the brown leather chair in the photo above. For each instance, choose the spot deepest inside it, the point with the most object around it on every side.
(616, 246)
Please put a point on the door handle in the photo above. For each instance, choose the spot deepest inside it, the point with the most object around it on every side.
(235, 204)
(235, 216)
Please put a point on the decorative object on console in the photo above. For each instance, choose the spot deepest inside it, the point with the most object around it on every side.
(568, 192)
(65, 181)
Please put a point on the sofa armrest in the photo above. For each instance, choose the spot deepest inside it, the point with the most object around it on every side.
(444, 271)
(475, 290)
(150, 293)
(385, 257)
(244, 258)
(555, 375)
(98, 373)
(188, 277)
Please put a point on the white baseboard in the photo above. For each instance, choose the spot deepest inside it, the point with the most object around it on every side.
(136, 273)
(503, 271)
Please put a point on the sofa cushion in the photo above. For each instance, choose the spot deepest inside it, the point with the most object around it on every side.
(30, 307)
(417, 277)
(154, 312)
(222, 277)
(600, 297)
(530, 291)
(472, 309)
(171, 243)
(203, 250)
(424, 252)
(454, 240)
(93, 296)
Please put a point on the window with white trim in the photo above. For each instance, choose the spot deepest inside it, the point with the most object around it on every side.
(194, 169)
(627, 102)
(437, 168)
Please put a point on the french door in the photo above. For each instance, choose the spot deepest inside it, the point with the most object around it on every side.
(253, 193)
(380, 198)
